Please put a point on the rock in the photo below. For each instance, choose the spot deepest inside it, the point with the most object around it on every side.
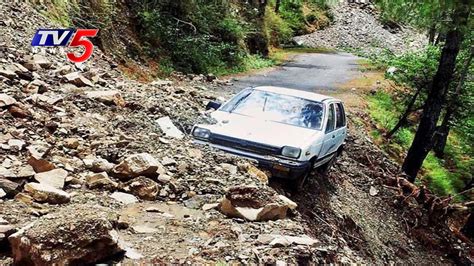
(40, 165)
(101, 165)
(54, 178)
(8, 73)
(67, 238)
(19, 111)
(229, 167)
(166, 161)
(2, 193)
(4, 172)
(391, 70)
(38, 151)
(39, 60)
(143, 187)
(124, 198)
(78, 79)
(16, 144)
(46, 194)
(71, 143)
(9, 187)
(373, 191)
(107, 97)
(254, 171)
(169, 128)
(143, 229)
(6, 100)
(5, 232)
(275, 240)
(136, 165)
(25, 172)
(254, 204)
(101, 181)
(164, 178)
(209, 206)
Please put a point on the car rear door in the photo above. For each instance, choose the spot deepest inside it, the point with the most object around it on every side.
(341, 130)
(329, 141)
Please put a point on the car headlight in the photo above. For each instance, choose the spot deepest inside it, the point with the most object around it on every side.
(201, 133)
(291, 152)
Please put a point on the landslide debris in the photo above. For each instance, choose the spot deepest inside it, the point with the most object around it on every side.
(357, 26)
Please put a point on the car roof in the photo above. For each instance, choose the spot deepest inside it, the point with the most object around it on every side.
(296, 93)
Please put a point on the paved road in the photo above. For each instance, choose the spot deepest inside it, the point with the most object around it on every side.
(310, 72)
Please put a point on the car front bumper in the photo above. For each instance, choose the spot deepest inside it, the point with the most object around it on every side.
(279, 167)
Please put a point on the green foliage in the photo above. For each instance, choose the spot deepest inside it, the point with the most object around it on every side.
(276, 29)
(442, 177)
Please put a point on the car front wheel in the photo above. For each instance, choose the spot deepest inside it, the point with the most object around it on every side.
(324, 169)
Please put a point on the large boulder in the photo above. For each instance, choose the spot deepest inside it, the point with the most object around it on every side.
(47, 194)
(136, 165)
(74, 235)
(101, 181)
(255, 204)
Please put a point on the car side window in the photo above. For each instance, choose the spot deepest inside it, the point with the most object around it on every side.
(340, 117)
(330, 124)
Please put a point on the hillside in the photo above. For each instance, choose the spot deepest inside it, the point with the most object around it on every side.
(97, 167)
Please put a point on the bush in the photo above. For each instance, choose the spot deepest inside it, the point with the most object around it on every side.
(276, 29)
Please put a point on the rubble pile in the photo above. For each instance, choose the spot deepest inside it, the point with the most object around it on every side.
(80, 143)
(356, 26)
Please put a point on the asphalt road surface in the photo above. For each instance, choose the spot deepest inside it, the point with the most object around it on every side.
(314, 72)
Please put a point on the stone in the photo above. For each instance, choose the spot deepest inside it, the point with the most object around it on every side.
(78, 79)
(4, 172)
(254, 204)
(8, 73)
(373, 191)
(136, 165)
(101, 181)
(16, 144)
(276, 240)
(25, 172)
(101, 165)
(6, 100)
(66, 238)
(40, 165)
(40, 60)
(164, 178)
(143, 187)
(5, 231)
(107, 97)
(166, 161)
(2, 193)
(9, 187)
(259, 174)
(209, 206)
(71, 143)
(19, 111)
(54, 178)
(46, 194)
(124, 198)
(229, 167)
(143, 229)
(170, 130)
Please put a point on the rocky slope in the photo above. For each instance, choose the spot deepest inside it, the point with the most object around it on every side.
(356, 26)
(90, 160)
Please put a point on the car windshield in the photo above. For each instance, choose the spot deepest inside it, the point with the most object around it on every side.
(277, 108)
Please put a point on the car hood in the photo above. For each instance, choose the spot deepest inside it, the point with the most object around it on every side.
(261, 131)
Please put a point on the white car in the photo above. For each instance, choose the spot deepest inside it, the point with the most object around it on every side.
(289, 132)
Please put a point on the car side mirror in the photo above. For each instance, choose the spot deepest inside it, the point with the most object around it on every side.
(213, 105)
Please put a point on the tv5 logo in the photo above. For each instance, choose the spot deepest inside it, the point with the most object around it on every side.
(61, 37)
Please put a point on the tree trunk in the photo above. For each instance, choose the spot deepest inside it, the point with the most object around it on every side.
(423, 140)
(277, 6)
(432, 33)
(441, 136)
(403, 119)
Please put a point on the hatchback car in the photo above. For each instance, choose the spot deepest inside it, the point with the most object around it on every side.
(289, 132)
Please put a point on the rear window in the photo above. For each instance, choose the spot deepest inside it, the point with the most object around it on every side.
(340, 117)
(277, 108)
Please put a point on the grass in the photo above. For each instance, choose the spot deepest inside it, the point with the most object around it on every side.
(441, 177)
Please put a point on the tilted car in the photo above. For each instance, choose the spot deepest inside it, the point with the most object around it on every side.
(289, 132)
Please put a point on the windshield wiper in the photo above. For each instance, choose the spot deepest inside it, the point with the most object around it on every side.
(239, 101)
